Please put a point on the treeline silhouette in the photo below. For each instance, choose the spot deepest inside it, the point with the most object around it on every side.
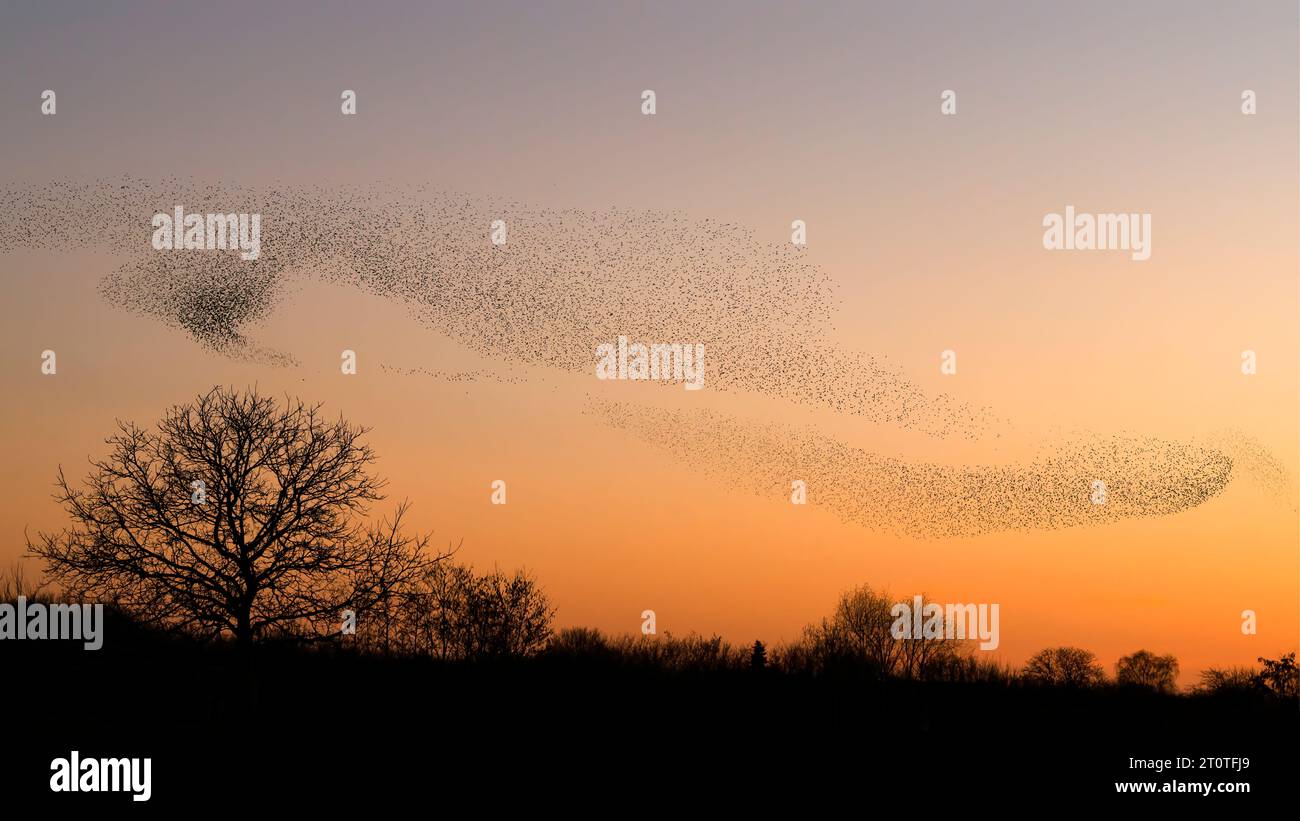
(480, 684)
(455, 614)
(263, 634)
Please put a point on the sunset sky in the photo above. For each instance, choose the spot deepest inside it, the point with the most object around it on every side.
(929, 226)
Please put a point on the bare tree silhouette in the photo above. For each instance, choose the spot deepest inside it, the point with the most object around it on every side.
(236, 516)
(1065, 667)
(860, 631)
(1146, 669)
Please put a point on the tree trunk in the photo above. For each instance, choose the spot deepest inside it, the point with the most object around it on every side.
(244, 625)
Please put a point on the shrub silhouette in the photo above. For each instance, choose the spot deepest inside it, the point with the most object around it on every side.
(1219, 681)
(1064, 667)
(578, 643)
(455, 613)
(1279, 677)
(14, 582)
(663, 653)
(1146, 669)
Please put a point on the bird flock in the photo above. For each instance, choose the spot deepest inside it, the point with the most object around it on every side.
(1142, 476)
(566, 280)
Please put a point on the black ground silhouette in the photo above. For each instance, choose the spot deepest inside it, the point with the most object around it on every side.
(229, 728)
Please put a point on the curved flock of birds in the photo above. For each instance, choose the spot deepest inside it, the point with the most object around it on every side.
(1143, 476)
(566, 281)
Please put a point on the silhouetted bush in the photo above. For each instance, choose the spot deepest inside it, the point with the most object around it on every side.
(1230, 680)
(1279, 677)
(578, 643)
(1064, 667)
(664, 653)
(452, 613)
(1145, 669)
(15, 582)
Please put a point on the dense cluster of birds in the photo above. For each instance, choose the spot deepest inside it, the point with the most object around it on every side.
(1140, 476)
(565, 281)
